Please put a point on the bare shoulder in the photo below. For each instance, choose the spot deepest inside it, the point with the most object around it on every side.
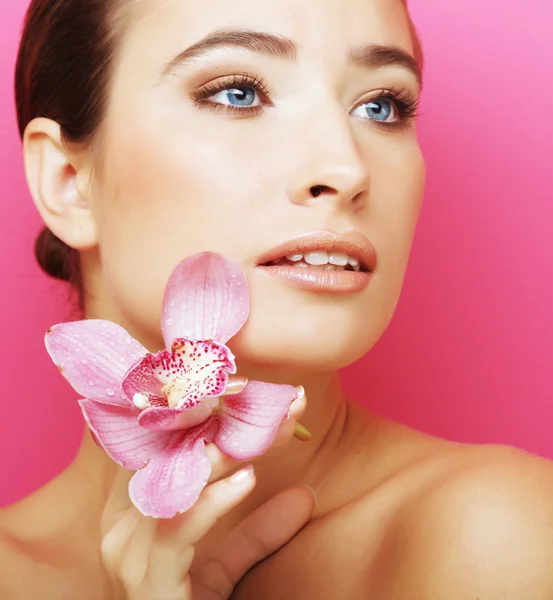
(14, 566)
(480, 527)
(39, 558)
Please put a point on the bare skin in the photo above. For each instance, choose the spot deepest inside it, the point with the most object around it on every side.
(400, 515)
(422, 514)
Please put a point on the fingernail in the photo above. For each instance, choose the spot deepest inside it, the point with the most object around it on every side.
(313, 492)
(302, 433)
(293, 410)
(236, 385)
(243, 475)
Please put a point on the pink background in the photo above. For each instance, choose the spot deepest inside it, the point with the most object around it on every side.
(468, 355)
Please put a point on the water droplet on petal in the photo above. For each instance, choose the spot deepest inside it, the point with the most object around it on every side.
(110, 393)
(169, 322)
(84, 361)
(90, 382)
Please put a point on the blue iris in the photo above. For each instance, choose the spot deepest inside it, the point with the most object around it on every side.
(243, 96)
(379, 110)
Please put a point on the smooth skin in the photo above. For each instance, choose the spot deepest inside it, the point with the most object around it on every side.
(400, 515)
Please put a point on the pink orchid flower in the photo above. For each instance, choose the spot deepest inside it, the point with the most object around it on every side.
(154, 413)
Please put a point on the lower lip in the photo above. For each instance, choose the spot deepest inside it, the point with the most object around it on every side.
(337, 282)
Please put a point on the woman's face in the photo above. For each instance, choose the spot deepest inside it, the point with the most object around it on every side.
(186, 164)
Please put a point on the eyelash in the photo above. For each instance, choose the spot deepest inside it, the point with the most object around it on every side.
(405, 103)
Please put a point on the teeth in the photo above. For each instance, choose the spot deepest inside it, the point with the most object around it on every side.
(321, 259)
(316, 258)
(338, 259)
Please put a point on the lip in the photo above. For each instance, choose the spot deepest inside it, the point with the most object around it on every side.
(352, 243)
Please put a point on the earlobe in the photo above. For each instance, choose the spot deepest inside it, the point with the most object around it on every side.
(55, 181)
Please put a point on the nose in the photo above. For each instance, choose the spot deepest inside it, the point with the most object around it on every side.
(328, 165)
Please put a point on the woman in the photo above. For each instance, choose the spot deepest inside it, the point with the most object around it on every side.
(286, 139)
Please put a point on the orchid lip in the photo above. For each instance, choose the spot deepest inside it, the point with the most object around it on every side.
(353, 244)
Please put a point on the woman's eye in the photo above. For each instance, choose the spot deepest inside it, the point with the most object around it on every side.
(236, 96)
(377, 110)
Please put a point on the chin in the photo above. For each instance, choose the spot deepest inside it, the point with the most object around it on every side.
(308, 348)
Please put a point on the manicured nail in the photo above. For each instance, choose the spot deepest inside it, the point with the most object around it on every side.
(301, 433)
(236, 385)
(242, 476)
(293, 411)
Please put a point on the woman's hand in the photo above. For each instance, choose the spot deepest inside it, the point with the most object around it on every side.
(151, 559)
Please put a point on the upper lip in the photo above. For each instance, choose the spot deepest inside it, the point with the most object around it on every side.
(352, 243)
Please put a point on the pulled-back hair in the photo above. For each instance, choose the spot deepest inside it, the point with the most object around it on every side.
(63, 73)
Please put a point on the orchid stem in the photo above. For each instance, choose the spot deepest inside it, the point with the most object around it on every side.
(301, 433)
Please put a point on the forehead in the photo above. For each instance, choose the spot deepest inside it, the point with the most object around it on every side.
(326, 27)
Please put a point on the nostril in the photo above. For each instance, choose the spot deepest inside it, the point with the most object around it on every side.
(317, 190)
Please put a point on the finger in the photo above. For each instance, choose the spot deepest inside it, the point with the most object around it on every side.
(116, 539)
(257, 537)
(222, 464)
(133, 564)
(288, 426)
(119, 500)
(235, 385)
(173, 548)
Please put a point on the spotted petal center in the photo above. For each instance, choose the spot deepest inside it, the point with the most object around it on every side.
(181, 377)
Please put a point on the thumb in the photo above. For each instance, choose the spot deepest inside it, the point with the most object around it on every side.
(118, 502)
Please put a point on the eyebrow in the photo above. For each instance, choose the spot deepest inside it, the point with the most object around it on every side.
(280, 47)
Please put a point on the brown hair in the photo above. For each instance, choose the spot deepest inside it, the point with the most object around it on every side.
(63, 73)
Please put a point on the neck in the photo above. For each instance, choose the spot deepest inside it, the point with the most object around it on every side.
(326, 417)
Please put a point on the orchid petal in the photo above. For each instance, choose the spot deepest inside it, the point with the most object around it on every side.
(180, 378)
(174, 478)
(170, 419)
(146, 377)
(206, 298)
(249, 421)
(116, 429)
(94, 355)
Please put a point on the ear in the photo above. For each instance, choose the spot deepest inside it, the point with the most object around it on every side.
(58, 181)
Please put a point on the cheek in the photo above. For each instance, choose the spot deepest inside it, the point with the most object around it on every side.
(166, 193)
(162, 197)
(397, 195)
